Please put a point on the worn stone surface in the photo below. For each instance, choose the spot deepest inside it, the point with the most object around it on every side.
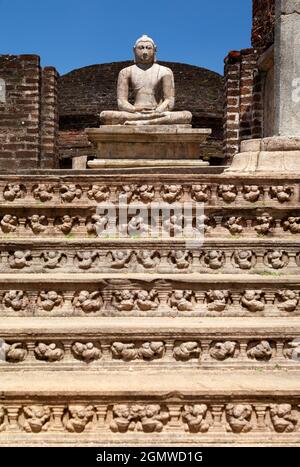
(287, 68)
(275, 154)
(147, 142)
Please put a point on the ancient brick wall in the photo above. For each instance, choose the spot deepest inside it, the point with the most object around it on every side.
(263, 23)
(28, 114)
(243, 107)
(49, 119)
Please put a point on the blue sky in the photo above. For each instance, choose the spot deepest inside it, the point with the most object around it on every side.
(71, 34)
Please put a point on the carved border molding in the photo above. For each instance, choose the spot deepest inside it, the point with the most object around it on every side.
(200, 416)
(227, 349)
(187, 295)
(91, 190)
(84, 223)
(228, 258)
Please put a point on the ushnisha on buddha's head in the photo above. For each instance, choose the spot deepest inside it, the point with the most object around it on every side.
(145, 50)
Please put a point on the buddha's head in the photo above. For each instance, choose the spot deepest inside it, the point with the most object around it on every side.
(145, 50)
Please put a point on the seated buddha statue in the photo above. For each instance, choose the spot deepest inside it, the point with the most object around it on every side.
(153, 90)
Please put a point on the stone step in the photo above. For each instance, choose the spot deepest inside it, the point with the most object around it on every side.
(266, 257)
(72, 188)
(94, 344)
(150, 408)
(104, 221)
(139, 294)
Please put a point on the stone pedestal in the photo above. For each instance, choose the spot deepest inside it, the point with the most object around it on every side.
(287, 68)
(151, 145)
(279, 150)
(280, 154)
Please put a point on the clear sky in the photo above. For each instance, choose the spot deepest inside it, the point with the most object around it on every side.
(71, 34)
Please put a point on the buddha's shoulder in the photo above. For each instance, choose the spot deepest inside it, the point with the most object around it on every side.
(127, 70)
(164, 69)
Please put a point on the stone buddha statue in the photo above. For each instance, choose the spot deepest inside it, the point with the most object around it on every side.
(153, 89)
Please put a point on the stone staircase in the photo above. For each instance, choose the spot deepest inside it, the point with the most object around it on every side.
(147, 341)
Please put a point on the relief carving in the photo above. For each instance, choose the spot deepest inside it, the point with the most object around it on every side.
(15, 352)
(182, 300)
(78, 418)
(15, 299)
(234, 225)
(9, 223)
(227, 192)
(86, 351)
(148, 259)
(251, 193)
(171, 193)
(49, 300)
(182, 259)
(146, 301)
(49, 352)
(88, 302)
(264, 224)
(120, 258)
(276, 259)
(217, 300)
(186, 351)
(98, 193)
(147, 418)
(2, 419)
(35, 418)
(131, 351)
(238, 417)
(282, 417)
(214, 259)
(123, 300)
(200, 193)
(223, 350)
(97, 224)
(14, 191)
(42, 192)
(244, 259)
(262, 350)
(85, 259)
(53, 259)
(69, 192)
(66, 223)
(253, 300)
(292, 224)
(194, 418)
(19, 259)
(287, 300)
(38, 224)
(281, 193)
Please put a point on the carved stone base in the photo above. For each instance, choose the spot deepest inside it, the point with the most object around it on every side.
(145, 163)
(147, 142)
(278, 154)
(149, 408)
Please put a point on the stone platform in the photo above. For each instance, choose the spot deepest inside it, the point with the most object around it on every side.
(205, 338)
(160, 142)
(279, 154)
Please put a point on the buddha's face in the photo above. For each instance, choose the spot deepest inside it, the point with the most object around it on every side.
(144, 52)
